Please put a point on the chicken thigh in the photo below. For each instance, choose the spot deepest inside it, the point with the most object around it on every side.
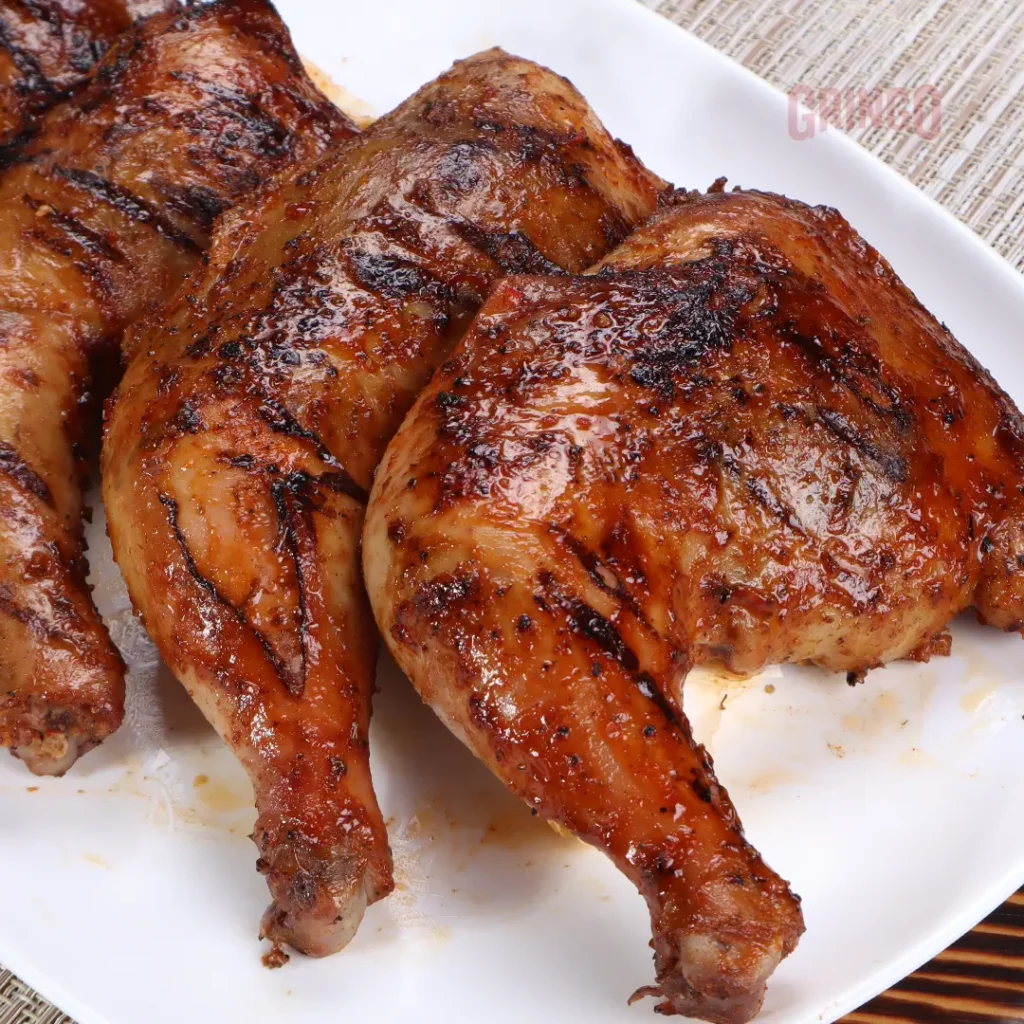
(250, 420)
(102, 214)
(48, 47)
(739, 440)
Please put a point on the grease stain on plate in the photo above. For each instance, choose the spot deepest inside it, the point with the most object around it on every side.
(917, 758)
(516, 829)
(771, 779)
(884, 714)
(978, 698)
(220, 798)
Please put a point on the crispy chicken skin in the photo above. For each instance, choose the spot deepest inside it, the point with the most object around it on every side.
(48, 47)
(247, 428)
(740, 440)
(101, 215)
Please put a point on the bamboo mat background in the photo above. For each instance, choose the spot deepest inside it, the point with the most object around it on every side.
(972, 52)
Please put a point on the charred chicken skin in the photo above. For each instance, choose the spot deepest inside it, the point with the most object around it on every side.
(739, 440)
(48, 47)
(250, 420)
(101, 216)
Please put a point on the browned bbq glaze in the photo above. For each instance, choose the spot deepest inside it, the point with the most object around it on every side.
(101, 216)
(249, 423)
(48, 47)
(742, 440)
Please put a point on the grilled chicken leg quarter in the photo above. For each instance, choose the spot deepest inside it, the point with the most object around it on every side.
(250, 421)
(101, 215)
(742, 440)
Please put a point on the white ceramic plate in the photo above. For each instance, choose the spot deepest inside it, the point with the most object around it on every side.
(128, 888)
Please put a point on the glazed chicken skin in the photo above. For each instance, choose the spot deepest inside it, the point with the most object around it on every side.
(101, 216)
(48, 48)
(246, 431)
(740, 440)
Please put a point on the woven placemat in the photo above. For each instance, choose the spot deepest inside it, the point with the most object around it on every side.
(958, 63)
(963, 57)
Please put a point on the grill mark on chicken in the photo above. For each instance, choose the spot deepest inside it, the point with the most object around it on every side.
(692, 327)
(86, 49)
(851, 366)
(511, 250)
(112, 72)
(708, 310)
(127, 203)
(281, 421)
(12, 151)
(437, 598)
(40, 10)
(201, 205)
(93, 271)
(35, 622)
(211, 588)
(762, 493)
(598, 570)
(586, 621)
(294, 523)
(458, 170)
(269, 134)
(33, 79)
(892, 465)
(93, 244)
(86, 52)
(341, 483)
(57, 625)
(90, 253)
(14, 466)
(388, 275)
